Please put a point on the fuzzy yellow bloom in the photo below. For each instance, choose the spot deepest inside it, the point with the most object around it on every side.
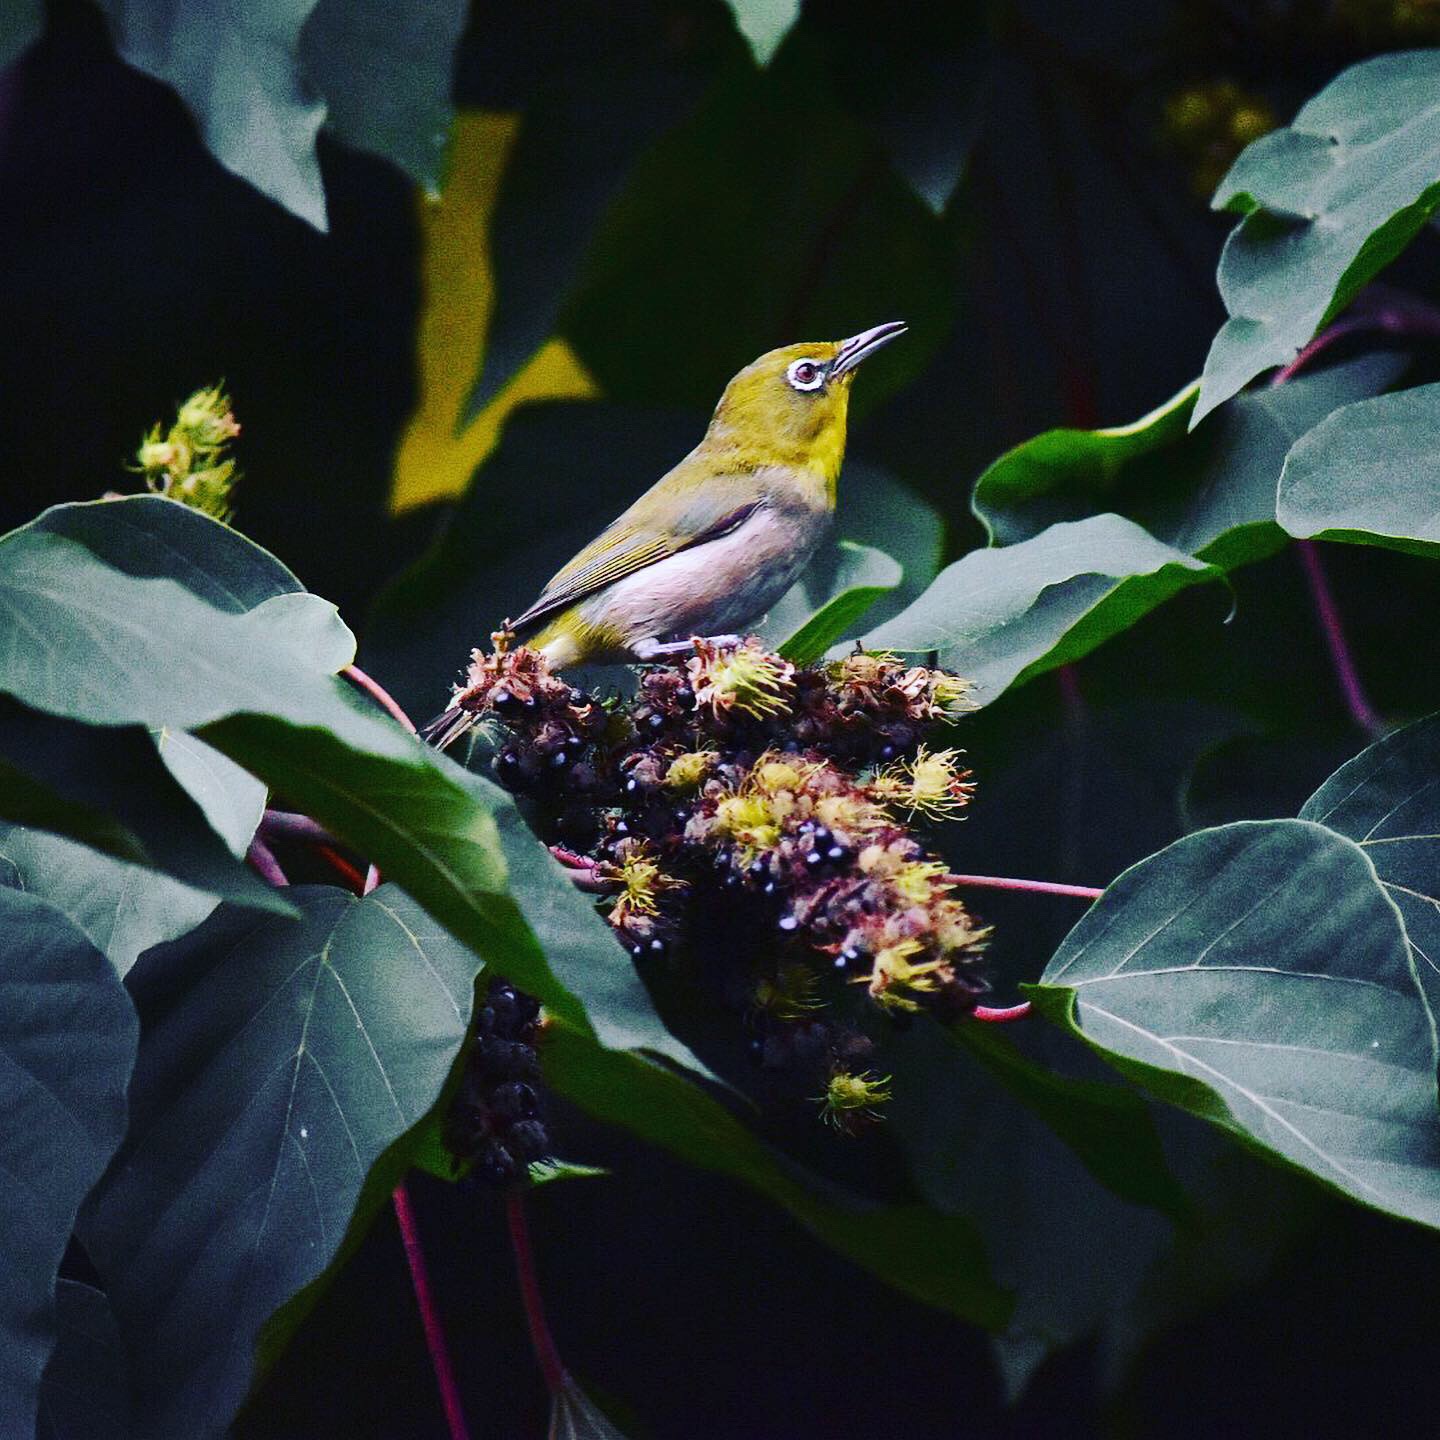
(849, 1098)
(688, 770)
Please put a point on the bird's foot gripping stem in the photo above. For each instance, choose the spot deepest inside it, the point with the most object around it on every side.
(646, 650)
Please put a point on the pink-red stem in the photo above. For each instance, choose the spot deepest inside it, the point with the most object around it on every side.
(1002, 1014)
(379, 694)
(1327, 612)
(429, 1314)
(1040, 887)
(541, 1340)
(262, 858)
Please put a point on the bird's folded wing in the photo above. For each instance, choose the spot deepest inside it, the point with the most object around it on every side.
(625, 547)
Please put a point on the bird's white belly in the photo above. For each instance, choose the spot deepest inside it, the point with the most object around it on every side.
(716, 588)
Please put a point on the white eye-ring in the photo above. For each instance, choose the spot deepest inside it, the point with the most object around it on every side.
(805, 374)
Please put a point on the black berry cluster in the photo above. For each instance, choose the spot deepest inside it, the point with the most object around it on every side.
(755, 818)
(495, 1125)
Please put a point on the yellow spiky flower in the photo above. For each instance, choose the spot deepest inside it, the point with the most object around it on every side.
(643, 882)
(688, 770)
(188, 463)
(932, 784)
(851, 1099)
(746, 678)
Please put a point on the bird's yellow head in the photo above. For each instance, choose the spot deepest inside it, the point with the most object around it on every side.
(788, 408)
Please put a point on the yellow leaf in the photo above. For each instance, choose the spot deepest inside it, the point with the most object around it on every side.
(433, 461)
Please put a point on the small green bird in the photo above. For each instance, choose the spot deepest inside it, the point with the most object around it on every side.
(717, 540)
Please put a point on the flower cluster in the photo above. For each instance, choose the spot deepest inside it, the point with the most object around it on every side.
(494, 1125)
(188, 463)
(751, 819)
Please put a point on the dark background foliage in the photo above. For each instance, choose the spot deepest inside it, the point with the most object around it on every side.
(1006, 178)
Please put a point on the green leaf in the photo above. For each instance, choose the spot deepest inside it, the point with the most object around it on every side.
(122, 909)
(1354, 476)
(84, 1391)
(1258, 976)
(233, 801)
(1066, 474)
(1070, 1250)
(110, 790)
(545, 1172)
(1328, 203)
(935, 1258)
(260, 85)
(277, 1062)
(149, 537)
(245, 687)
(21, 24)
(67, 1042)
(677, 297)
(764, 24)
(1387, 800)
(1004, 614)
(835, 596)
(1210, 493)
(384, 71)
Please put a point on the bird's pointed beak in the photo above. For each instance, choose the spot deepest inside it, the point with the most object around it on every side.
(867, 342)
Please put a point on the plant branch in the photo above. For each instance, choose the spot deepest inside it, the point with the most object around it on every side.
(1039, 887)
(262, 859)
(379, 694)
(287, 825)
(541, 1339)
(429, 1314)
(1000, 1015)
(1362, 713)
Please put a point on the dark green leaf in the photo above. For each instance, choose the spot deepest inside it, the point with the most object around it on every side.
(834, 596)
(1327, 203)
(1258, 976)
(67, 1039)
(935, 1258)
(1387, 800)
(1210, 493)
(260, 86)
(110, 790)
(150, 537)
(764, 23)
(1002, 614)
(84, 1392)
(384, 71)
(22, 23)
(1070, 1250)
(121, 908)
(277, 1062)
(233, 801)
(677, 296)
(1354, 476)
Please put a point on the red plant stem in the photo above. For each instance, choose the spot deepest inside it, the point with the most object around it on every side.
(1040, 887)
(429, 1314)
(262, 858)
(352, 876)
(542, 1341)
(1364, 715)
(379, 694)
(1001, 1015)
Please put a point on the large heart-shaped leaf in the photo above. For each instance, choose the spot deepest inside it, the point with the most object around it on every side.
(109, 789)
(260, 84)
(1327, 204)
(1258, 975)
(936, 1258)
(1003, 614)
(242, 683)
(67, 1043)
(1210, 493)
(84, 1391)
(122, 909)
(277, 1062)
(1356, 475)
(1387, 800)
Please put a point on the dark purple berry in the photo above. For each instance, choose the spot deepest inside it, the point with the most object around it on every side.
(788, 923)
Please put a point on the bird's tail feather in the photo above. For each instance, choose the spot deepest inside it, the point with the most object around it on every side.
(444, 730)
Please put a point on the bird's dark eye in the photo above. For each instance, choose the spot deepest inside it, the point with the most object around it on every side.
(805, 375)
